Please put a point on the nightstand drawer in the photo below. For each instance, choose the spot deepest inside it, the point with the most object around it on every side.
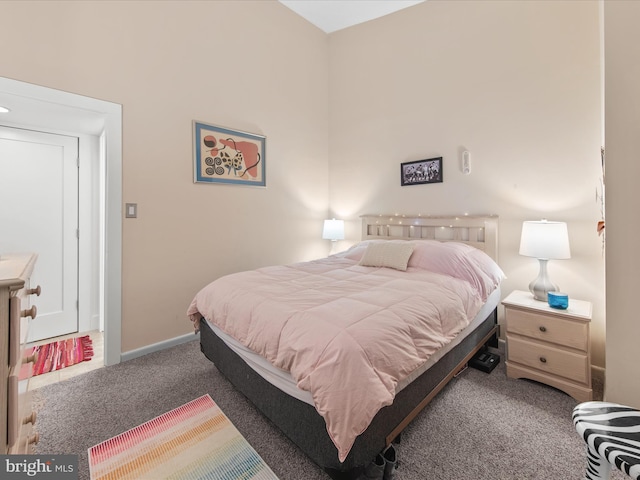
(546, 358)
(548, 328)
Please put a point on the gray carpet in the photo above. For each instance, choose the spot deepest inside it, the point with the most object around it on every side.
(481, 426)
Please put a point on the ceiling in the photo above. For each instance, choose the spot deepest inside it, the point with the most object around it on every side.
(333, 15)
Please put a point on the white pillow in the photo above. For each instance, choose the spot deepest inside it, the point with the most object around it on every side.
(391, 255)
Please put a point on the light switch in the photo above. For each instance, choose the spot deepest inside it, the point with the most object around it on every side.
(131, 210)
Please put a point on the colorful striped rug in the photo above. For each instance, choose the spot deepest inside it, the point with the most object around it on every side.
(60, 354)
(193, 441)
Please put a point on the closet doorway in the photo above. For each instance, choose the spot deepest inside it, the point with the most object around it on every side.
(43, 109)
(39, 173)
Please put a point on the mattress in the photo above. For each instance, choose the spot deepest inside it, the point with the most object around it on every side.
(284, 382)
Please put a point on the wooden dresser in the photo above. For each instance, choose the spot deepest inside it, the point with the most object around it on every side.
(17, 418)
(549, 345)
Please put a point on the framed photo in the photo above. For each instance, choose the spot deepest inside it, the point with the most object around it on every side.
(222, 155)
(421, 171)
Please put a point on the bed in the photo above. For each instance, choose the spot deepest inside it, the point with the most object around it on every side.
(303, 341)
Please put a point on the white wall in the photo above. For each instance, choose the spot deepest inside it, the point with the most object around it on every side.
(515, 83)
(622, 130)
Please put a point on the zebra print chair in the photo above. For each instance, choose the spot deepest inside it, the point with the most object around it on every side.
(612, 435)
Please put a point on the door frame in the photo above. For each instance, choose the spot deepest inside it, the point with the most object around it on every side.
(48, 109)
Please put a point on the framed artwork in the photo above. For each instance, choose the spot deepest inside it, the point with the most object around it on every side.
(421, 171)
(222, 155)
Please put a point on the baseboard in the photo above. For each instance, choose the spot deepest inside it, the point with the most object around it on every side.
(156, 347)
(597, 373)
(89, 324)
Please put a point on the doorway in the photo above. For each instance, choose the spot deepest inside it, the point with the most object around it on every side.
(40, 108)
(41, 170)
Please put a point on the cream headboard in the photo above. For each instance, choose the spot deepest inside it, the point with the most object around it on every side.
(479, 231)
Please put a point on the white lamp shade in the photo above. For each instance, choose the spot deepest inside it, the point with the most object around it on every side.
(545, 240)
(333, 230)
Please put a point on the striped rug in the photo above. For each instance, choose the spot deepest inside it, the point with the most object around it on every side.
(60, 354)
(193, 441)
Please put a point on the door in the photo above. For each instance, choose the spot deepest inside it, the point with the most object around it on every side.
(39, 213)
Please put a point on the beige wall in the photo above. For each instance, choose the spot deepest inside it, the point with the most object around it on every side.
(515, 83)
(622, 130)
(251, 65)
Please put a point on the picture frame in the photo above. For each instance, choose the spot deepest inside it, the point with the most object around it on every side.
(420, 172)
(226, 156)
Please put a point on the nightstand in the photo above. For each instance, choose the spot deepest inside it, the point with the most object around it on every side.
(549, 345)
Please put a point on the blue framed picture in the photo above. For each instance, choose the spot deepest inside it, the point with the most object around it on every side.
(222, 155)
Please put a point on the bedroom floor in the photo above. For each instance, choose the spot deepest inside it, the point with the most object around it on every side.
(97, 361)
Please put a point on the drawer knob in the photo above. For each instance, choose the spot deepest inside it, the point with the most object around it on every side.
(543, 360)
(30, 358)
(543, 329)
(35, 438)
(30, 419)
(32, 312)
(35, 291)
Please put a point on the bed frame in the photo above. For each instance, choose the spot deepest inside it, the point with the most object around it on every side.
(478, 231)
(301, 423)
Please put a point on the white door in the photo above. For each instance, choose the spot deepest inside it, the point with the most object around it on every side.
(39, 213)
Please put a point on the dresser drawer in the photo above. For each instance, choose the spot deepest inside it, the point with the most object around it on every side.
(569, 333)
(13, 410)
(16, 414)
(20, 414)
(549, 359)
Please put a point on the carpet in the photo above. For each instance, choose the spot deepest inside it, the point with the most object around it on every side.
(481, 426)
(195, 440)
(60, 354)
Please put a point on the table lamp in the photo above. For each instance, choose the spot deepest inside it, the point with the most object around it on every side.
(333, 230)
(545, 241)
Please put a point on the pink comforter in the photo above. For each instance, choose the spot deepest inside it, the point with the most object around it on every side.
(347, 334)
